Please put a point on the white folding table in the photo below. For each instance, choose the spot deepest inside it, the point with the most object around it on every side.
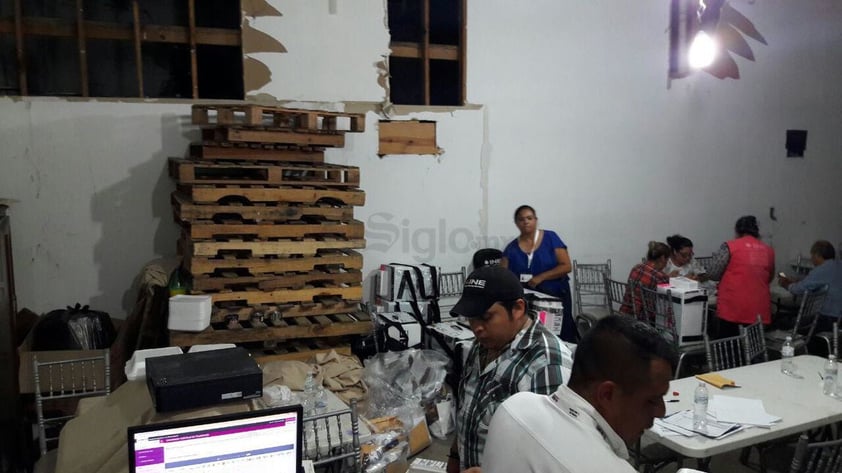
(799, 402)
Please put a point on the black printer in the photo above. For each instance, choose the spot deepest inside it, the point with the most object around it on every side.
(203, 378)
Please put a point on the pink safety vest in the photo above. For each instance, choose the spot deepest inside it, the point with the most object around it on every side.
(744, 290)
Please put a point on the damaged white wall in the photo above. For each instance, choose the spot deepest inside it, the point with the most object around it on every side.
(572, 115)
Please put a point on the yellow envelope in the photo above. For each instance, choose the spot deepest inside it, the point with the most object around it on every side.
(717, 380)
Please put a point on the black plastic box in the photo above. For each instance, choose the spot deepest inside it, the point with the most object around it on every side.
(204, 378)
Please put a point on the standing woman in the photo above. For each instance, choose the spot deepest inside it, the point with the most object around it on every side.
(539, 258)
(744, 267)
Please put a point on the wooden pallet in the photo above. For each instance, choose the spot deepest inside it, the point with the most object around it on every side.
(270, 282)
(211, 151)
(243, 135)
(335, 325)
(346, 259)
(208, 230)
(257, 115)
(255, 193)
(325, 307)
(281, 296)
(327, 175)
(186, 210)
(303, 350)
(258, 248)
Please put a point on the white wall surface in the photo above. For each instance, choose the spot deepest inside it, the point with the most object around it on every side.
(93, 192)
(573, 116)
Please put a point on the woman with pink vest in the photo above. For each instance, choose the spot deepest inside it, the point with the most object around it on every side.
(744, 267)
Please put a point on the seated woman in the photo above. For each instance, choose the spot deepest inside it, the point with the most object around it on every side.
(681, 262)
(540, 259)
(648, 274)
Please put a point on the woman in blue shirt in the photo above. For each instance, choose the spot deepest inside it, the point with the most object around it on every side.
(540, 259)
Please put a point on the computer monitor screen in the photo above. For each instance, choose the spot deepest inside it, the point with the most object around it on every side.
(265, 440)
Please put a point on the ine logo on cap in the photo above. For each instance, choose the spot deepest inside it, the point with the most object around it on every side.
(477, 283)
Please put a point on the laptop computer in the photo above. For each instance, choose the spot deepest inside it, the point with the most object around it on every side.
(267, 440)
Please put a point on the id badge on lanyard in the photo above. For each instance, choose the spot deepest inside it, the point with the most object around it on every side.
(525, 277)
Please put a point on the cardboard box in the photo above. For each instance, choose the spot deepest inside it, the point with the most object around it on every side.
(26, 379)
(419, 436)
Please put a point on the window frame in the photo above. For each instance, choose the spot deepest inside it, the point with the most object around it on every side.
(193, 36)
(426, 51)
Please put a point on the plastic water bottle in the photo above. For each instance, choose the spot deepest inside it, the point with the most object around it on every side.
(787, 352)
(308, 397)
(830, 376)
(320, 400)
(700, 407)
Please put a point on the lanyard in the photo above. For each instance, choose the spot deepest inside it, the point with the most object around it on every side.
(532, 252)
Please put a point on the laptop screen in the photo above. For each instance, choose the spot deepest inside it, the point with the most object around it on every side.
(265, 440)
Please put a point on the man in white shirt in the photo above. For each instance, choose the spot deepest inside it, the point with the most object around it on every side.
(621, 371)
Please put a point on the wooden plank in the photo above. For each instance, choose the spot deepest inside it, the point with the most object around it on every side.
(191, 33)
(271, 282)
(281, 296)
(199, 172)
(83, 52)
(185, 210)
(463, 46)
(17, 28)
(442, 52)
(407, 137)
(252, 194)
(346, 259)
(103, 30)
(425, 50)
(295, 328)
(298, 229)
(309, 246)
(240, 135)
(244, 313)
(138, 53)
(279, 117)
(243, 152)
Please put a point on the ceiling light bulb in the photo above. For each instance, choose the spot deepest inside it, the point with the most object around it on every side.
(702, 51)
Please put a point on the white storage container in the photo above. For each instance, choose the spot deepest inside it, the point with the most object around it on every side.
(189, 313)
(136, 367)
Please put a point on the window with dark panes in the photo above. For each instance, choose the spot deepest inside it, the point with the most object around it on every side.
(427, 63)
(121, 48)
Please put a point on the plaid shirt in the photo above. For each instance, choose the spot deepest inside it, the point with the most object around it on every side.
(531, 362)
(644, 275)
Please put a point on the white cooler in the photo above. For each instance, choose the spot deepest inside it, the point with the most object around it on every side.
(688, 307)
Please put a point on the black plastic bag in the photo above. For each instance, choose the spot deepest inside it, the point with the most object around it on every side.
(74, 328)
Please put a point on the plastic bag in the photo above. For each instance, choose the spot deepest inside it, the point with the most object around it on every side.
(383, 450)
(74, 328)
(403, 383)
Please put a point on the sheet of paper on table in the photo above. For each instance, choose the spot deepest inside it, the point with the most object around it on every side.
(741, 411)
(665, 429)
(713, 429)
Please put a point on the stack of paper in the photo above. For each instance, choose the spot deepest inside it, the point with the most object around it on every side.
(741, 411)
(726, 415)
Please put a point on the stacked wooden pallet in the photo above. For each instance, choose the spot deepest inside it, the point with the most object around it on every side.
(268, 227)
